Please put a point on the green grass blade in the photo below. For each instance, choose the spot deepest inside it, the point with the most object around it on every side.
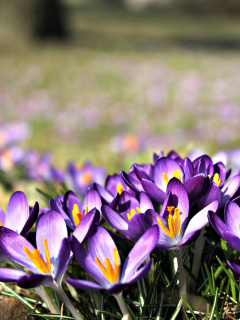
(229, 274)
(190, 309)
(214, 306)
(177, 310)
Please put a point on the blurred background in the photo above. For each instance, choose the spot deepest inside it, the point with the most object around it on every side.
(111, 81)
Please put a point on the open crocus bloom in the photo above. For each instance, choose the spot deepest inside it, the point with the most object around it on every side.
(175, 227)
(131, 220)
(47, 263)
(103, 262)
(78, 217)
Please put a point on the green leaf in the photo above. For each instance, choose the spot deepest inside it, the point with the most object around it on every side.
(190, 309)
(49, 316)
(229, 274)
(214, 306)
(177, 310)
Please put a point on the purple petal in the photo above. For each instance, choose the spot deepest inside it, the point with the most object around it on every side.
(141, 273)
(92, 200)
(167, 166)
(179, 197)
(115, 220)
(145, 202)
(232, 240)
(31, 220)
(220, 168)
(187, 168)
(232, 217)
(11, 244)
(234, 267)
(34, 280)
(200, 219)
(197, 186)
(84, 285)
(126, 203)
(166, 203)
(10, 275)
(85, 226)
(213, 194)
(104, 194)
(131, 182)
(140, 252)
(206, 167)
(216, 223)
(230, 189)
(17, 212)
(87, 262)
(153, 191)
(2, 217)
(112, 182)
(52, 228)
(140, 173)
(64, 258)
(136, 227)
(101, 245)
(189, 238)
(57, 206)
(116, 288)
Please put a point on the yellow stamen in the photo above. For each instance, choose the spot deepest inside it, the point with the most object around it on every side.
(163, 227)
(1, 224)
(170, 209)
(165, 178)
(133, 212)
(177, 175)
(109, 272)
(239, 226)
(86, 210)
(47, 255)
(77, 216)
(35, 257)
(174, 223)
(216, 179)
(119, 188)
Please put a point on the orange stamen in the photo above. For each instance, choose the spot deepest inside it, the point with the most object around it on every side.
(86, 210)
(170, 209)
(86, 179)
(1, 224)
(35, 257)
(47, 255)
(109, 272)
(174, 223)
(77, 216)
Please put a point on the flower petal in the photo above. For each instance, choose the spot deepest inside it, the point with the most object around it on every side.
(51, 227)
(234, 267)
(217, 223)
(104, 194)
(56, 205)
(64, 258)
(232, 217)
(31, 220)
(141, 273)
(92, 200)
(2, 217)
(187, 169)
(145, 202)
(213, 194)
(230, 189)
(34, 280)
(232, 240)
(140, 252)
(197, 186)
(200, 219)
(136, 227)
(10, 275)
(153, 191)
(85, 226)
(131, 182)
(84, 285)
(69, 200)
(17, 212)
(115, 220)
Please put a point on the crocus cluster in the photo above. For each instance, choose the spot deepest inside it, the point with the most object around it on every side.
(155, 207)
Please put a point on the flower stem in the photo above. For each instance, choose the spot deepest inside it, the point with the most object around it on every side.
(67, 302)
(182, 275)
(122, 305)
(42, 292)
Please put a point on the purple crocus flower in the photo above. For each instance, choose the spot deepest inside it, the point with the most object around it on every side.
(39, 168)
(79, 218)
(81, 177)
(17, 216)
(230, 230)
(132, 218)
(176, 226)
(103, 262)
